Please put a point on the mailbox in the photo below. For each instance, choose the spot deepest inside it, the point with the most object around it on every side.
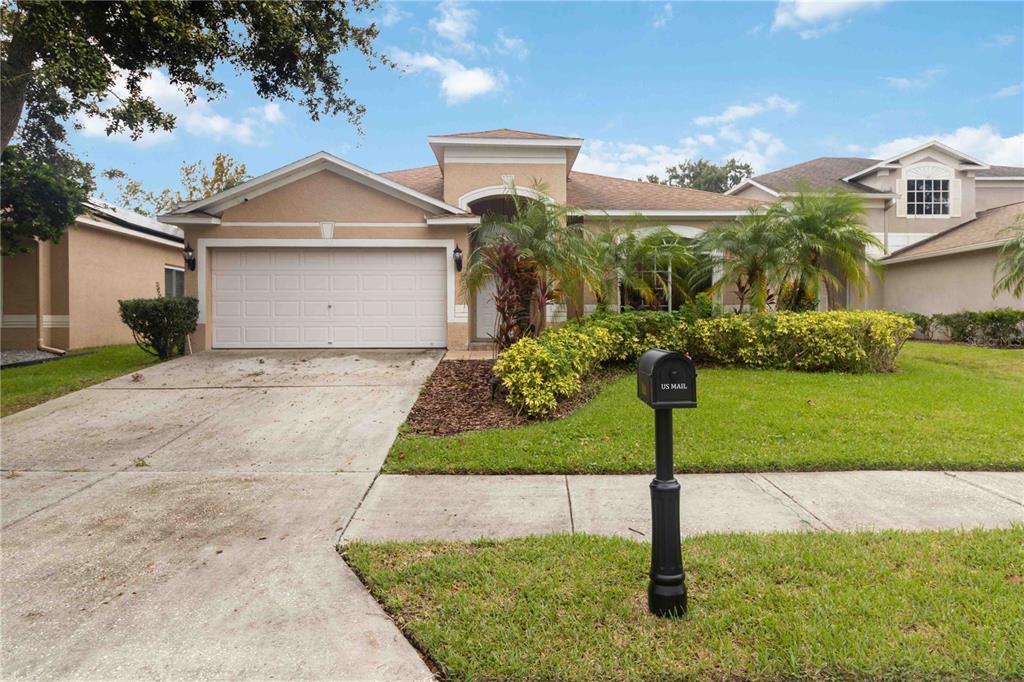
(666, 380)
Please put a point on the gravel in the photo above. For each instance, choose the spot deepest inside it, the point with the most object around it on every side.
(11, 357)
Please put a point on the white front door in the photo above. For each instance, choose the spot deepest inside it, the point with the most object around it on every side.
(486, 312)
(329, 298)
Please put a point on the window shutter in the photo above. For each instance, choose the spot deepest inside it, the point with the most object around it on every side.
(954, 198)
(901, 199)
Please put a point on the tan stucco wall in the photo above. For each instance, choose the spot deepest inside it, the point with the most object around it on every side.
(945, 284)
(19, 299)
(328, 197)
(461, 178)
(22, 280)
(992, 194)
(105, 267)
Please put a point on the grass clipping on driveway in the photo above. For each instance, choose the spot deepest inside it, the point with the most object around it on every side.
(948, 406)
(819, 606)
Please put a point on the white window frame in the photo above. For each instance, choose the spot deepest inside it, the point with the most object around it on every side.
(929, 171)
(174, 268)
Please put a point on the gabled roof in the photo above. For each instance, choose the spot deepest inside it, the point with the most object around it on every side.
(509, 139)
(933, 144)
(985, 231)
(209, 209)
(997, 172)
(590, 192)
(820, 173)
(509, 134)
(117, 216)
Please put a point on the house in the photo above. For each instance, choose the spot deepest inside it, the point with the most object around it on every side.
(938, 212)
(64, 294)
(324, 254)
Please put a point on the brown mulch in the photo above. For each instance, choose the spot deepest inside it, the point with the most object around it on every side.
(457, 398)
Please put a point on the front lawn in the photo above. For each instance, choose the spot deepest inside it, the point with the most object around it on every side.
(23, 387)
(934, 605)
(947, 407)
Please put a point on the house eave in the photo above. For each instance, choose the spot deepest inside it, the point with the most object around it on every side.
(980, 246)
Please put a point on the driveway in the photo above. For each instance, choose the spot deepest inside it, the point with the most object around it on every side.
(181, 522)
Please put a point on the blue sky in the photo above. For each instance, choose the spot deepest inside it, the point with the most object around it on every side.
(646, 84)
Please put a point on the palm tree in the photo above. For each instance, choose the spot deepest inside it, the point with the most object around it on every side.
(826, 243)
(749, 253)
(1009, 274)
(636, 258)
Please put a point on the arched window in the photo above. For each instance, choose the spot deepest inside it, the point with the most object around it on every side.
(930, 190)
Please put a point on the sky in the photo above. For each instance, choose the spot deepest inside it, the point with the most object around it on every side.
(647, 85)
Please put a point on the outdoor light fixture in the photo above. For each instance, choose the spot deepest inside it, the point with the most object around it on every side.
(665, 381)
(457, 257)
(190, 256)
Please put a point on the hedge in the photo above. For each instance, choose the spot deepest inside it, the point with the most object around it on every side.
(539, 372)
(1000, 327)
(160, 325)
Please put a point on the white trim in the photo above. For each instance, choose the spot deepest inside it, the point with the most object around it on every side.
(980, 165)
(18, 321)
(505, 155)
(750, 182)
(500, 191)
(327, 230)
(447, 244)
(656, 213)
(685, 231)
(454, 220)
(56, 321)
(507, 141)
(174, 267)
(980, 246)
(129, 232)
(170, 219)
(315, 224)
(302, 168)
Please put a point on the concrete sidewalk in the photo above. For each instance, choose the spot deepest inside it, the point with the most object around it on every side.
(469, 507)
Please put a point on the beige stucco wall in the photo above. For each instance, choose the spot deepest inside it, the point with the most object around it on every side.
(461, 178)
(945, 284)
(19, 300)
(45, 271)
(990, 194)
(105, 267)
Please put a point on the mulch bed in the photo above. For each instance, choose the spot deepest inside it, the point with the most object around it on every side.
(458, 398)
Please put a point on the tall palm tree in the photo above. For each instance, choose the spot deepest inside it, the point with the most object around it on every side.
(636, 258)
(749, 253)
(826, 243)
(1009, 274)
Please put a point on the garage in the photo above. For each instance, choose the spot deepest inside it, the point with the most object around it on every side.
(329, 298)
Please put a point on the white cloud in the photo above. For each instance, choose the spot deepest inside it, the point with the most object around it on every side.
(919, 82)
(739, 111)
(459, 83)
(512, 45)
(392, 14)
(663, 17)
(982, 142)
(854, 148)
(455, 22)
(1001, 40)
(760, 150)
(814, 18)
(1009, 91)
(198, 118)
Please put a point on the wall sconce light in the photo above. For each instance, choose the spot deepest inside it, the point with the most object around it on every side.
(457, 257)
(190, 256)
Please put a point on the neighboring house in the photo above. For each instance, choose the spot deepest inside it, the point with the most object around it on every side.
(324, 254)
(911, 197)
(64, 295)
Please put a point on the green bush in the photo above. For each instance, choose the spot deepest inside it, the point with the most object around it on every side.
(922, 324)
(538, 373)
(161, 325)
(1000, 327)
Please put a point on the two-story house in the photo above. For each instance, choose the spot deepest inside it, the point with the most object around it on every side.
(939, 213)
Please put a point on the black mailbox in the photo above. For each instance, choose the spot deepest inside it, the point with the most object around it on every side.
(665, 380)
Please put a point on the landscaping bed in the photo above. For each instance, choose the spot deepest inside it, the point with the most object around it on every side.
(821, 606)
(460, 397)
(946, 407)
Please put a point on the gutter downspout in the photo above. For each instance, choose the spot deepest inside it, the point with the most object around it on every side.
(40, 345)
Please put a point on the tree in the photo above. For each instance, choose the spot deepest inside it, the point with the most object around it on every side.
(1009, 273)
(62, 60)
(826, 244)
(705, 175)
(197, 181)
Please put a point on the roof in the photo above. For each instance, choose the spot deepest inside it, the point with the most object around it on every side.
(984, 231)
(825, 171)
(509, 134)
(122, 217)
(1001, 172)
(599, 192)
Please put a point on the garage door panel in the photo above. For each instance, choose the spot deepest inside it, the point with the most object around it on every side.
(329, 297)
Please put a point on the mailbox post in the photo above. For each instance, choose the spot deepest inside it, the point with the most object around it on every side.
(665, 381)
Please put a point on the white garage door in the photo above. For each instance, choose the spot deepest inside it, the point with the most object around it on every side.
(329, 298)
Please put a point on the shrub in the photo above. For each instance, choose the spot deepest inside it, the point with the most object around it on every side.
(161, 325)
(1000, 327)
(922, 325)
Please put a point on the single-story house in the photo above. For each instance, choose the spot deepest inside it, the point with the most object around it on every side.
(932, 206)
(324, 254)
(64, 294)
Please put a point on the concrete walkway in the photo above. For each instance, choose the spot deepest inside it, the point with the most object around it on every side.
(181, 523)
(469, 507)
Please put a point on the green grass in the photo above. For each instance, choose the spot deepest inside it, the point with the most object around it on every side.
(947, 406)
(23, 387)
(934, 605)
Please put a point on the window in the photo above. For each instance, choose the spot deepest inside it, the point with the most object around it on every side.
(927, 197)
(174, 281)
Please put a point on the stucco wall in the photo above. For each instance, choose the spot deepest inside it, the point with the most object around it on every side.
(19, 301)
(992, 194)
(461, 178)
(105, 267)
(945, 284)
(751, 192)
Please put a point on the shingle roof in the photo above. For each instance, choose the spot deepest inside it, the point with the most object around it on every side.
(509, 134)
(987, 227)
(590, 191)
(825, 171)
(1002, 172)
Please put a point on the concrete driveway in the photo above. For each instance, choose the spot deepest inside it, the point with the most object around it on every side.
(181, 522)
